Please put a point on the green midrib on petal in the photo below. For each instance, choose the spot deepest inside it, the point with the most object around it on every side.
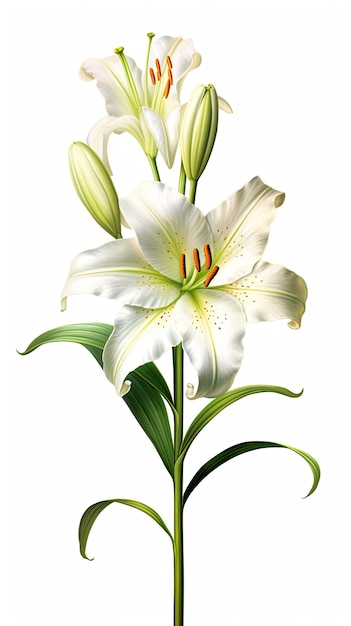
(209, 335)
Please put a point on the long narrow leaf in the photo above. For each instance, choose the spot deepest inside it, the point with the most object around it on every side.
(94, 511)
(149, 409)
(152, 375)
(148, 385)
(241, 448)
(92, 336)
(218, 404)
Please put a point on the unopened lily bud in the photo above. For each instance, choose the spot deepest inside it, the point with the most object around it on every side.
(199, 129)
(95, 188)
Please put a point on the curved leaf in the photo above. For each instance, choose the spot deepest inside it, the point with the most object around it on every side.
(218, 404)
(152, 375)
(241, 448)
(94, 511)
(148, 385)
(92, 336)
(149, 409)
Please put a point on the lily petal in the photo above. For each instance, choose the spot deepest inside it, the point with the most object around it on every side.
(212, 325)
(271, 292)
(118, 270)
(112, 83)
(224, 105)
(100, 133)
(140, 335)
(166, 225)
(240, 227)
(165, 132)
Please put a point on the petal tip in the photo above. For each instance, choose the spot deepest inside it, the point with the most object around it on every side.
(190, 391)
(125, 388)
(294, 325)
(279, 199)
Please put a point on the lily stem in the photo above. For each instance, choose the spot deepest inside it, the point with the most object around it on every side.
(154, 168)
(192, 191)
(178, 489)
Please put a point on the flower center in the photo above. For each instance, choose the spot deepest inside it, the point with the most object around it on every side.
(156, 75)
(197, 263)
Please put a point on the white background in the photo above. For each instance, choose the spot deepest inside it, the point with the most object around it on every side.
(256, 552)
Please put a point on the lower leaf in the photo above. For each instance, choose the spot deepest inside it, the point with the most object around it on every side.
(91, 514)
(241, 448)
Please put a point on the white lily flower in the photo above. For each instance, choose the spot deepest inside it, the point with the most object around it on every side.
(144, 102)
(189, 278)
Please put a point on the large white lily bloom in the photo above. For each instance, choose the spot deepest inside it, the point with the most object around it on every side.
(189, 278)
(143, 102)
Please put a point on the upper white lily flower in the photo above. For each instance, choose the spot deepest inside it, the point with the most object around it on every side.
(143, 102)
(189, 278)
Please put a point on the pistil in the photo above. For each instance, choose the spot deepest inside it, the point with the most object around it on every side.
(129, 76)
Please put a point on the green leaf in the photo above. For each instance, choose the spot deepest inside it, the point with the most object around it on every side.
(218, 404)
(241, 448)
(92, 336)
(148, 385)
(152, 375)
(94, 511)
(149, 409)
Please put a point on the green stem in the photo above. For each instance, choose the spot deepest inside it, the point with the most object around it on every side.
(192, 191)
(154, 168)
(182, 179)
(178, 489)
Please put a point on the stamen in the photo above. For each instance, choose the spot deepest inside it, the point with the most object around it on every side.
(182, 266)
(196, 256)
(208, 256)
(152, 76)
(170, 76)
(169, 62)
(158, 67)
(167, 88)
(211, 275)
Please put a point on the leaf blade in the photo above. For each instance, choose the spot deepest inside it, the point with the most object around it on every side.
(242, 448)
(92, 513)
(91, 336)
(218, 404)
(149, 409)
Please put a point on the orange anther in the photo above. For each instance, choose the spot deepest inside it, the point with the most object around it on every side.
(196, 256)
(169, 62)
(170, 76)
(158, 65)
(152, 76)
(208, 256)
(211, 275)
(167, 88)
(182, 266)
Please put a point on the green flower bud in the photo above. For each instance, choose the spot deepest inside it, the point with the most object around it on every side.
(95, 188)
(199, 129)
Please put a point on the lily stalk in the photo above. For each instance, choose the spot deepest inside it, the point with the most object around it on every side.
(178, 543)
